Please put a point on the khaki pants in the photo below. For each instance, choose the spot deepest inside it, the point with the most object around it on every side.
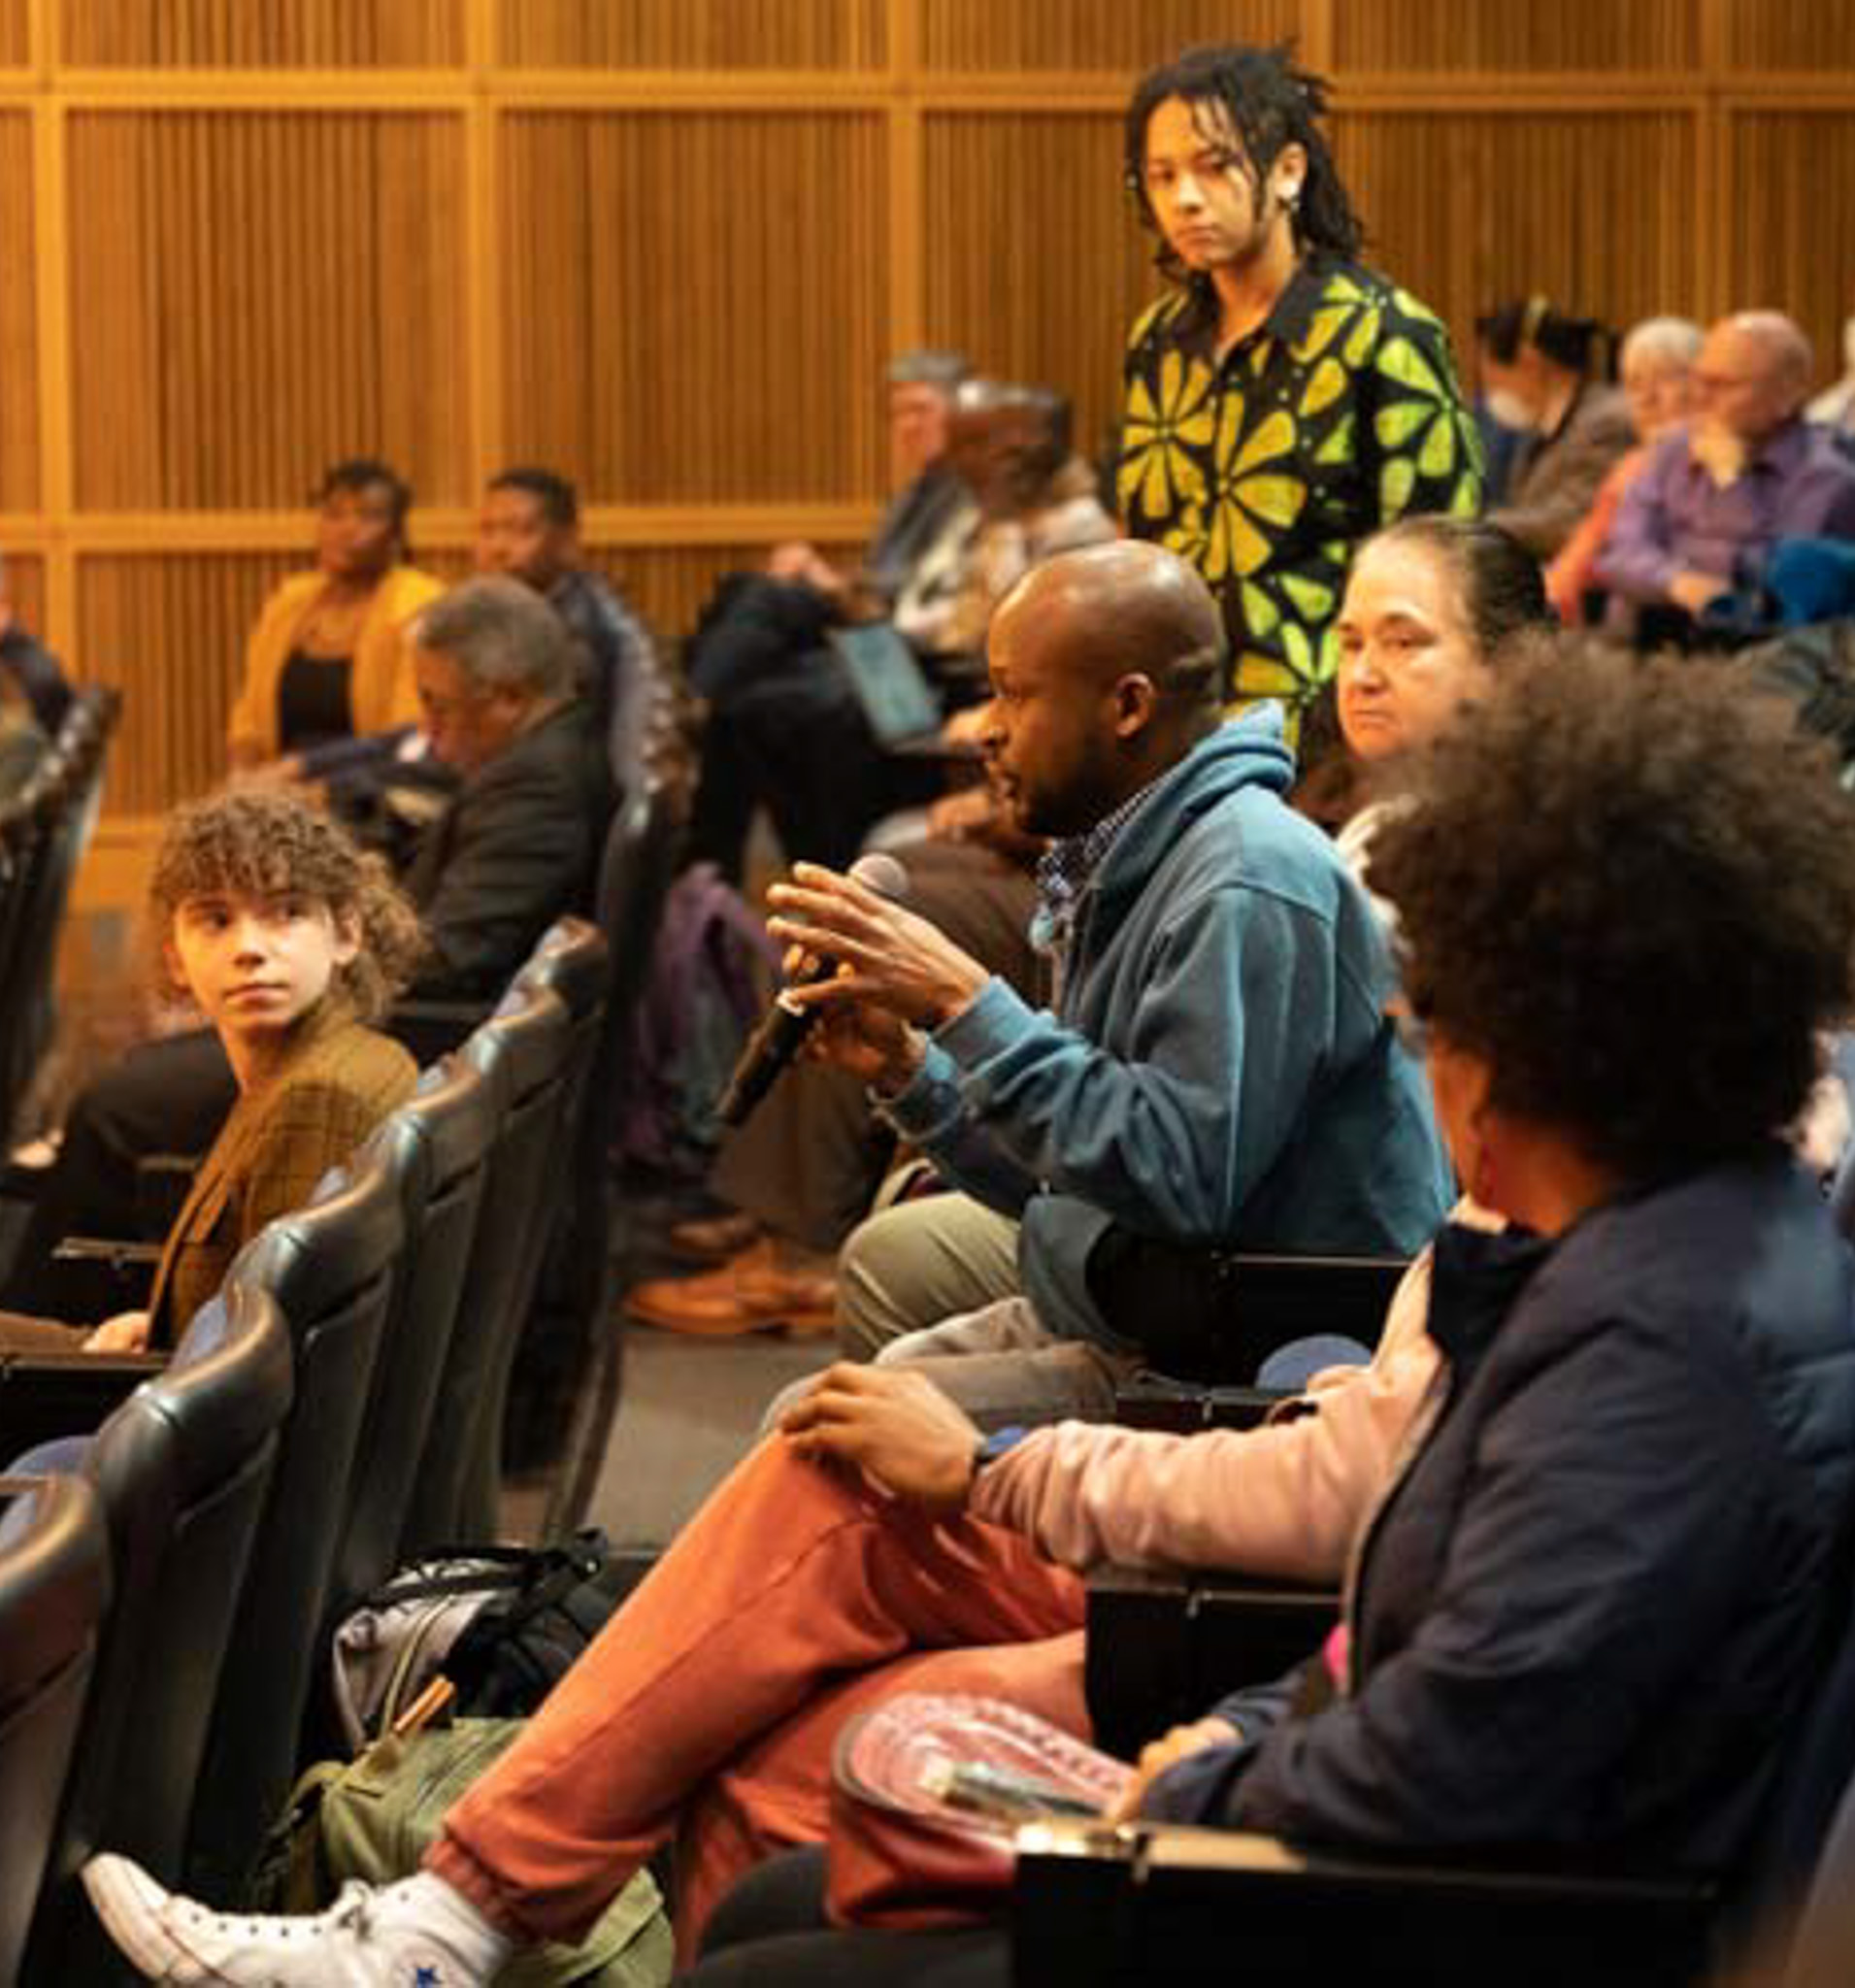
(919, 1263)
(1002, 1366)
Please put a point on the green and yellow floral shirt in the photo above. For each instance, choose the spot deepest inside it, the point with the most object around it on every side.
(1334, 416)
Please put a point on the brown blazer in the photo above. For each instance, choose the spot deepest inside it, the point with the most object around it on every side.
(338, 1083)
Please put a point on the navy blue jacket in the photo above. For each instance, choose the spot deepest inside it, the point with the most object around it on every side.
(1590, 1610)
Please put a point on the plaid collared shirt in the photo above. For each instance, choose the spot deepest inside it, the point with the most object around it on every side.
(1064, 872)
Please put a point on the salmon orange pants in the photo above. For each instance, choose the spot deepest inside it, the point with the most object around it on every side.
(707, 1705)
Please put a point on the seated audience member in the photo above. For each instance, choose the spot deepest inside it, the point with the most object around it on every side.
(1627, 902)
(1657, 368)
(291, 943)
(921, 386)
(22, 744)
(529, 529)
(760, 622)
(329, 658)
(865, 1552)
(1219, 1068)
(795, 737)
(1432, 607)
(1547, 376)
(1431, 604)
(1834, 408)
(516, 845)
(519, 844)
(1744, 472)
(1032, 498)
(31, 668)
(1652, 1419)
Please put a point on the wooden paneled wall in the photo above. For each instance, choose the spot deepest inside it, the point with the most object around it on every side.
(666, 244)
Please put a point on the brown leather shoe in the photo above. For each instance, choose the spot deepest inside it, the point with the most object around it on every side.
(715, 1239)
(755, 1292)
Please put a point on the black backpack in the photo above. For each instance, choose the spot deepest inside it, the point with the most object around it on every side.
(503, 1623)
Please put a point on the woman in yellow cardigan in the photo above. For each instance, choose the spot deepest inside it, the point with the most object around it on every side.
(329, 658)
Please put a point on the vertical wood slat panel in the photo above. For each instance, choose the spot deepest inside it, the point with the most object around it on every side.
(692, 34)
(263, 34)
(1077, 36)
(1469, 209)
(1813, 37)
(23, 588)
(169, 630)
(1655, 37)
(1035, 265)
(18, 319)
(257, 292)
(1793, 175)
(16, 33)
(693, 309)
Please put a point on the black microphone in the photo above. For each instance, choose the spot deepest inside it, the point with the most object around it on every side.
(784, 1026)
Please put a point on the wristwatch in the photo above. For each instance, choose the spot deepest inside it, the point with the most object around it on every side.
(990, 1449)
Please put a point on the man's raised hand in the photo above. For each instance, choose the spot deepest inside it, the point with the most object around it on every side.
(887, 954)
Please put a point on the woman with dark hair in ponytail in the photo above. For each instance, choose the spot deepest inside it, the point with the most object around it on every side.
(1547, 374)
(1283, 403)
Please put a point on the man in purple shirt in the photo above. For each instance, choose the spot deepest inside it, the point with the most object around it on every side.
(1746, 471)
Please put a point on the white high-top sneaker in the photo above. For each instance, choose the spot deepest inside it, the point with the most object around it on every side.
(417, 1933)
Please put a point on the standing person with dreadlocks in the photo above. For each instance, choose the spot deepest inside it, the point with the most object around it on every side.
(1282, 402)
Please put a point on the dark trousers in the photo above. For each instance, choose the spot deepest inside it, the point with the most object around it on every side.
(771, 1932)
(170, 1096)
(795, 742)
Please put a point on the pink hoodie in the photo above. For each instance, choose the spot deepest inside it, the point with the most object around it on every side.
(1282, 1501)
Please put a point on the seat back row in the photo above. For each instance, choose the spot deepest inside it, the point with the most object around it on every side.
(323, 1419)
(43, 831)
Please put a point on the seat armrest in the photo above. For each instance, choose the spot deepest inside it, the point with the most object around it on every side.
(44, 1396)
(1098, 1905)
(1136, 1663)
(1242, 1408)
(1182, 1408)
(95, 1276)
(1248, 1631)
(111, 1249)
(1155, 1401)
(1162, 1648)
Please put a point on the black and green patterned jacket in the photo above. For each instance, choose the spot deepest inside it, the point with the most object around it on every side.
(1338, 415)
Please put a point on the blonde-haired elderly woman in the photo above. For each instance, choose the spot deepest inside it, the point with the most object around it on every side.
(1657, 369)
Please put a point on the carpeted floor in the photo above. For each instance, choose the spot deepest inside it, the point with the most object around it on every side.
(689, 1412)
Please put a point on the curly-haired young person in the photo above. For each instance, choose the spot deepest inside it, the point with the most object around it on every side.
(1282, 401)
(290, 941)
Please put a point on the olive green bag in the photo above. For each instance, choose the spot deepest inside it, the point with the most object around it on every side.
(374, 1818)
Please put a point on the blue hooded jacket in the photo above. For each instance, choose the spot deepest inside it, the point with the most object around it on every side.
(1221, 1070)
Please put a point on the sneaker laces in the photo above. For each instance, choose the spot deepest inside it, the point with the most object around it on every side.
(353, 1911)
